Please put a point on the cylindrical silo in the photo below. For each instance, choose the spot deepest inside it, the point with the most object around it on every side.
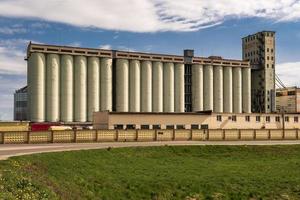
(80, 89)
(179, 87)
(197, 88)
(29, 74)
(246, 76)
(66, 88)
(146, 86)
(122, 83)
(208, 92)
(52, 88)
(134, 86)
(157, 87)
(237, 89)
(106, 84)
(218, 89)
(227, 89)
(168, 87)
(93, 86)
(36, 88)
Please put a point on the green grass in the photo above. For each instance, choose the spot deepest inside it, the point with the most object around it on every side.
(190, 172)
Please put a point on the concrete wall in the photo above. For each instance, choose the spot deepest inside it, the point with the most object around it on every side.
(21, 137)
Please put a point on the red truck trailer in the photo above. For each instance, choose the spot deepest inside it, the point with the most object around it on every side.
(44, 126)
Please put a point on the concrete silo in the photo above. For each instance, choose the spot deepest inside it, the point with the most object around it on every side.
(134, 86)
(197, 87)
(237, 89)
(246, 81)
(80, 89)
(106, 84)
(36, 87)
(179, 87)
(66, 88)
(52, 88)
(93, 91)
(146, 86)
(157, 89)
(227, 90)
(208, 88)
(218, 89)
(122, 83)
(168, 81)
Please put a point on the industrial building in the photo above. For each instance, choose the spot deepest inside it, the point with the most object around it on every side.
(288, 100)
(68, 84)
(259, 49)
(20, 104)
(195, 120)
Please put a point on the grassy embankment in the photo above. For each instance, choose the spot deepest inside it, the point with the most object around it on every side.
(191, 172)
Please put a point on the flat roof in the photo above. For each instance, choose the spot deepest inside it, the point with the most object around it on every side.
(264, 31)
(188, 113)
(212, 60)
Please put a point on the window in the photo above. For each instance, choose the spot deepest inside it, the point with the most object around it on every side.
(118, 126)
(268, 118)
(194, 126)
(156, 126)
(219, 118)
(130, 126)
(247, 118)
(295, 119)
(170, 127)
(287, 119)
(145, 126)
(204, 126)
(233, 118)
(267, 49)
(257, 118)
(180, 126)
(291, 93)
(277, 119)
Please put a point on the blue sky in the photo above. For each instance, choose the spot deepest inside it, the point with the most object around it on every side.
(160, 26)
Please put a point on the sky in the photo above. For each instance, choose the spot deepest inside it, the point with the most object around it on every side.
(157, 26)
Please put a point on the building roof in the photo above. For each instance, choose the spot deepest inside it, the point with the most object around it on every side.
(214, 60)
(258, 33)
(287, 89)
(22, 90)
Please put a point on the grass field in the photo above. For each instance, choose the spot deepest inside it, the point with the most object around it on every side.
(191, 172)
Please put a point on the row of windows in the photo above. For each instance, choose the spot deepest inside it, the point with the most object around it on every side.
(252, 53)
(258, 118)
(289, 93)
(158, 126)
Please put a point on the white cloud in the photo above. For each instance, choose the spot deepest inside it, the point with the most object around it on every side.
(149, 15)
(105, 46)
(75, 44)
(12, 73)
(12, 54)
(12, 30)
(289, 73)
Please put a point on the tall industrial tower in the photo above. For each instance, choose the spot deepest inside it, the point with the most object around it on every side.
(259, 49)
